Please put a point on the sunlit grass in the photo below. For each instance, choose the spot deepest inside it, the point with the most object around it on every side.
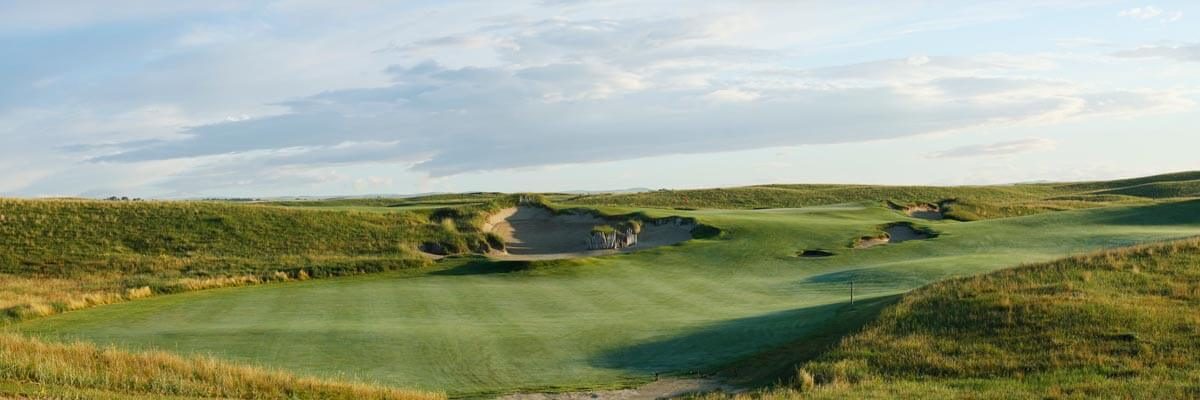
(80, 370)
(1114, 324)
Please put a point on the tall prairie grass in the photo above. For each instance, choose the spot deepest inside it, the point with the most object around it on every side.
(969, 203)
(30, 367)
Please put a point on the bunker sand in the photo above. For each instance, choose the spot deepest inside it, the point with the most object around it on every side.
(535, 233)
(895, 234)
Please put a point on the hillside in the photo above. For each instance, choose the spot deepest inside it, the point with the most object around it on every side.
(384, 204)
(794, 196)
(600, 322)
(58, 255)
(1114, 324)
(1124, 183)
(964, 203)
(1159, 190)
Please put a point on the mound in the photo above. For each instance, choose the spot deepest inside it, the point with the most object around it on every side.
(536, 233)
(1117, 324)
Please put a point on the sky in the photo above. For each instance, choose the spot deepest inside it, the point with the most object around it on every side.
(167, 99)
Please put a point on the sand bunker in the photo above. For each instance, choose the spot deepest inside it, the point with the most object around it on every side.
(894, 233)
(535, 233)
(925, 212)
(933, 212)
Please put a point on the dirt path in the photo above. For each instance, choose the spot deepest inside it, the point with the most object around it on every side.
(660, 389)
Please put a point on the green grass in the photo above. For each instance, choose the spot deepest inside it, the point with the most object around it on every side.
(1118, 324)
(472, 327)
(794, 196)
(385, 205)
(82, 252)
(970, 203)
(1123, 183)
(1159, 190)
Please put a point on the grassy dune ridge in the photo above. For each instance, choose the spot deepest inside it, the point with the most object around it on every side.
(970, 203)
(30, 367)
(1124, 183)
(58, 255)
(794, 196)
(1160, 189)
(387, 204)
(1114, 324)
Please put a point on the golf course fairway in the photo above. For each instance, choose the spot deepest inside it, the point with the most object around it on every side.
(475, 327)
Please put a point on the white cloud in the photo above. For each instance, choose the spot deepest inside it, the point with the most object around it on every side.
(1183, 52)
(40, 16)
(1151, 13)
(731, 95)
(458, 120)
(997, 149)
(186, 98)
(373, 183)
(1142, 13)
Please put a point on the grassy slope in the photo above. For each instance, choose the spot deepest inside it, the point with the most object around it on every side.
(384, 204)
(1117, 324)
(1159, 189)
(972, 202)
(30, 368)
(1123, 183)
(792, 196)
(59, 255)
(606, 321)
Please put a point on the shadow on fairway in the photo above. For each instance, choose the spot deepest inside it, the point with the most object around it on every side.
(480, 266)
(1175, 213)
(872, 276)
(749, 349)
(485, 267)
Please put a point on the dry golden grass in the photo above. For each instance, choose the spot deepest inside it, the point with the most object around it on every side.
(31, 296)
(75, 370)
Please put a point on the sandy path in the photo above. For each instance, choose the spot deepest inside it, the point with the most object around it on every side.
(660, 389)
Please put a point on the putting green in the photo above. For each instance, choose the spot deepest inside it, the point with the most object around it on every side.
(468, 329)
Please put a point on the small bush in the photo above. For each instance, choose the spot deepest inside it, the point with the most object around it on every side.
(448, 225)
(137, 293)
(804, 380)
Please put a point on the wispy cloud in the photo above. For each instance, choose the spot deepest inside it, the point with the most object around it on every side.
(480, 119)
(154, 97)
(1185, 52)
(1151, 13)
(997, 149)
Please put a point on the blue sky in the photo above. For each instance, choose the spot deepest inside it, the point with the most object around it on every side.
(294, 97)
